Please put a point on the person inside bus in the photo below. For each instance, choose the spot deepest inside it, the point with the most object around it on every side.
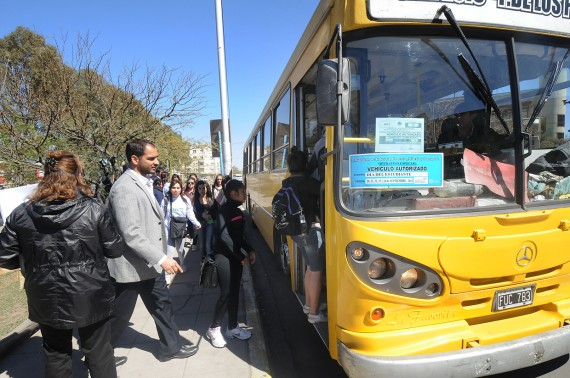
(316, 165)
(469, 129)
(311, 243)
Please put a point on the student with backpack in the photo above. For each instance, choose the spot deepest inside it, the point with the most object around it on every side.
(316, 164)
(309, 242)
(232, 253)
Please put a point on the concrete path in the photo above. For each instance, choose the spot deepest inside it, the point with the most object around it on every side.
(193, 308)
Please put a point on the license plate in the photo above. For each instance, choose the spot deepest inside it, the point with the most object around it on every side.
(512, 298)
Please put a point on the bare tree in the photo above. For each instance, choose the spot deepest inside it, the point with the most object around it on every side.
(46, 104)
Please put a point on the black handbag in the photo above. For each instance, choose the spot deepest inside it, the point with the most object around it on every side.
(209, 274)
(177, 228)
(178, 225)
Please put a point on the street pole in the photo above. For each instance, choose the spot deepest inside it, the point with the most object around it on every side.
(222, 170)
(225, 142)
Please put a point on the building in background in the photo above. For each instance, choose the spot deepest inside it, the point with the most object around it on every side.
(202, 161)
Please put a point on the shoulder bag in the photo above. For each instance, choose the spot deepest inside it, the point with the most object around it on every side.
(178, 225)
(209, 274)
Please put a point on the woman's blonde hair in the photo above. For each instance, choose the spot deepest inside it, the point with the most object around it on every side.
(63, 178)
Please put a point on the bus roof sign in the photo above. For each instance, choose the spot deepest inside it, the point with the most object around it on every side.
(551, 16)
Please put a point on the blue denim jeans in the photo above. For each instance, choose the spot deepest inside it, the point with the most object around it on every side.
(206, 239)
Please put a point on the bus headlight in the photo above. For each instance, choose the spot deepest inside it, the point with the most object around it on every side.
(409, 278)
(432, 289)
(381, 269)
(393, 274)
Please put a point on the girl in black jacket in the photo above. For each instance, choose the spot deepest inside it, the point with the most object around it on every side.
(230, 239)
(62, 237)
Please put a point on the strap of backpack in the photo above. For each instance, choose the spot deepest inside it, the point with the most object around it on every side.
(294, 191)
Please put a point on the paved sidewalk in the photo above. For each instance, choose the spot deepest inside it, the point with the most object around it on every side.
(193, 308)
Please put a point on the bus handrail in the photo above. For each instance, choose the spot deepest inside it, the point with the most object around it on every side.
(357, 140)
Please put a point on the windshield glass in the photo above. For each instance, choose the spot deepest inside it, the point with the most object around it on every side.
(545, 78)
(422, 136)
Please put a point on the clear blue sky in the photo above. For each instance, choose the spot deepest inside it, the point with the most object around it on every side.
(260, 36)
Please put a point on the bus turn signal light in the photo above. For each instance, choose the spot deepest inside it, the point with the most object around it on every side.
(376, 314)
(358, 254)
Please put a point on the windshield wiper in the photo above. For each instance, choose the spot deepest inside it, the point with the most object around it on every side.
(555, 69)
(479, 82)
(483, 91)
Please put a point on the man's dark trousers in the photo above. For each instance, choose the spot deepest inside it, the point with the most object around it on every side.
(156, 299)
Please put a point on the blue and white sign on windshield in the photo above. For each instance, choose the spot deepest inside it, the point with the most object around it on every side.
(389, 170)
(547, 16)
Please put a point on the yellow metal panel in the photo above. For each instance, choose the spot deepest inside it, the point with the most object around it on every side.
(261, 187)
(434, 339)
(521, 256)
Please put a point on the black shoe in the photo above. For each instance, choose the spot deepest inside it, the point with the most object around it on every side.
(120, 360)
(189, 348)
(184, 352)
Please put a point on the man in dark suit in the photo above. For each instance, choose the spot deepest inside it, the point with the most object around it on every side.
(140, 222)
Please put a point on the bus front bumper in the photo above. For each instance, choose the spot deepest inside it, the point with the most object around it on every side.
(471, 362)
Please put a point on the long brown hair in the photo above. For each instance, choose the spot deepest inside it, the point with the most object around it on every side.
(63, 178)
(208, 192)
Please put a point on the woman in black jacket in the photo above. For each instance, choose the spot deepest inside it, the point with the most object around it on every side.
(230, 239)
(60, 239)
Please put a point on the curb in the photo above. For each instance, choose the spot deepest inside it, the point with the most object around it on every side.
(258, 360)
(20, 334)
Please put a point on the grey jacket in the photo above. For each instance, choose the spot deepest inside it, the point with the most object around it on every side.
(139, 220)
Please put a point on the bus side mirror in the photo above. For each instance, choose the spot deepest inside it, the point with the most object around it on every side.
(327, 91)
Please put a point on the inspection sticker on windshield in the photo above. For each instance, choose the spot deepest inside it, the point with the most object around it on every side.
(399, 135)
(396, 170)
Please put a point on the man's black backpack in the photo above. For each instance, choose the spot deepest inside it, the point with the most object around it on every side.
(288, 218)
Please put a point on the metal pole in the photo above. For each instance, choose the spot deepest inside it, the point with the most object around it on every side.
(225, 142)
(222, 171)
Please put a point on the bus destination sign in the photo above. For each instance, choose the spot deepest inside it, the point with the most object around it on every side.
(552, 16)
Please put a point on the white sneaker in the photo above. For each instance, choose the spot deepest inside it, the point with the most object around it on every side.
(215, 336)
(307, 309)
(319, 318)
(238, 333)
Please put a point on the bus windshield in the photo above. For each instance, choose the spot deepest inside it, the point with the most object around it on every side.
(424, 136)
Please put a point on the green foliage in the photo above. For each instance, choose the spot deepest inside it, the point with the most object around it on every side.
(14, 309)
(46, 105)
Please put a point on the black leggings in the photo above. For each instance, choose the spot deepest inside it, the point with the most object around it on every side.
(229, 275)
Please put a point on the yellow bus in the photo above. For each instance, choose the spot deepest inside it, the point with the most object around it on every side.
(447, 180)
